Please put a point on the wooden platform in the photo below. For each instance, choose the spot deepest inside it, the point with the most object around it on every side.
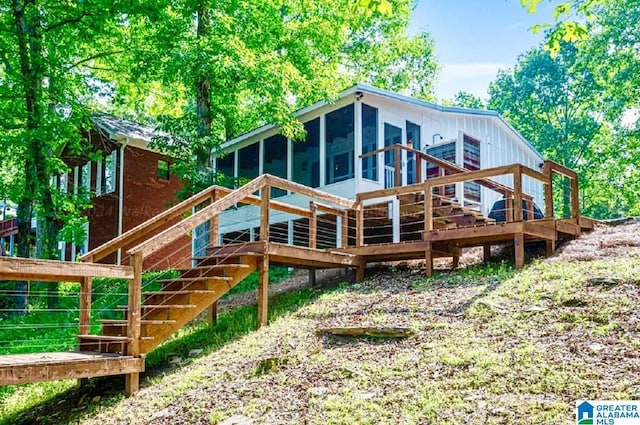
(38, 367)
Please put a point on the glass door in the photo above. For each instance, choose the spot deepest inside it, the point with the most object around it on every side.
(413, 141)
(392, 136)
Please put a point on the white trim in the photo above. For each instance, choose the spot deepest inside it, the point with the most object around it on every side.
(323, 151)
(120, 195)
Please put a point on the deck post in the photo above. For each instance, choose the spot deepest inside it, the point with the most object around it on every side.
(345, 229)
(418, 169)
(575, 199)
(486, 252)
(517, 193)
(132, 382)
(518, 245)
(312, 277)
(397, 176)
(455, 262)
(359, 224)
(428, 260)
(85, 306)
(263, 291)
(214, 223)
(548, 190)
(359, 274)
(428, 207)
(551, 247)
(212, 314)
(313, 225)
(265, 196)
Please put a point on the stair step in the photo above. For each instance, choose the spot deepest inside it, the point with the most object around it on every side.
(196, 279)
(105, 338)
(214, 266)
(183, 292)
(148, 306)
(115, 322)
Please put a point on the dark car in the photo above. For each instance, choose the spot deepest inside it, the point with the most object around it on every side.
(498, 211)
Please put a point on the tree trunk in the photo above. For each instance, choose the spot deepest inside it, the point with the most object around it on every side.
(203, 96)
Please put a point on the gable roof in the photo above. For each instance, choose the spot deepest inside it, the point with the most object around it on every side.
(363, 88)
(119, 128)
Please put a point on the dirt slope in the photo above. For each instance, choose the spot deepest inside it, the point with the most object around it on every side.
(492, 346)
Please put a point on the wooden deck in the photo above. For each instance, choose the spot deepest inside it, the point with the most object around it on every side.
(434, 226)
(38, 367)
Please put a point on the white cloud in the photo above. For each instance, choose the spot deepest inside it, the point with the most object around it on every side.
(473, 77)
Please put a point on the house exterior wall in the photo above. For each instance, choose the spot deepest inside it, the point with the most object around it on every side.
(499, 145)
(145, 196)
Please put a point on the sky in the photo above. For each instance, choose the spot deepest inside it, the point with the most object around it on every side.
(475, 38)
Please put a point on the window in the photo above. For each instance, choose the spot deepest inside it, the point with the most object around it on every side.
(248, 163)
(471, 148)
(370, 142)
(447, 152)
(85, 176)
(99, 177)
(413, 141)
(306, 156)
(340, 152)
(392, 136)
(163, 170)
(226, 166)
(275, 150)
(109, 173)
(64, 183)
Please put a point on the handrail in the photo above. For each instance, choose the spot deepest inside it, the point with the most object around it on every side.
(176, 231)
(441, 163)
(146, 227)
(280, 183)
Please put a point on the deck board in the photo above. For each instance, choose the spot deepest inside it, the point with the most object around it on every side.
(38, 367)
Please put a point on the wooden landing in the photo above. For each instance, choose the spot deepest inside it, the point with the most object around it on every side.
(38, 367)
(410, 250)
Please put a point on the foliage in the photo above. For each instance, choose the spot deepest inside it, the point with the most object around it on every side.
(464, 99)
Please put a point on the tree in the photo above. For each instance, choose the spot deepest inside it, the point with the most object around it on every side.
(241, 65)
(464, 99)
(46, 51)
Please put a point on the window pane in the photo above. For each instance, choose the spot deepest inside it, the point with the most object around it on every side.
(370, 142)
(275, 160)
(306, 156)
(471, 162)
(248, 163)
(392, 136)
(226, 166)
(339, 145)
(109, 182)
(413, 140)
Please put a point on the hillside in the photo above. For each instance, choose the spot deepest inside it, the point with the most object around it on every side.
(492, 345)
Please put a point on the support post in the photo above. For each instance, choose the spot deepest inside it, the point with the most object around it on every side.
(517, 193)
(428, 260)
(313, 225)
(575, 199)
(345, 229)
(85, 305)
(132, 382)
(551, 248)
(486, 252)
(518, 245)
(455, 262)
(548, 190)
(212, 314)
(418, 169)
(360, 224)
(397, 165)
(263, 291)
(359, 274)
(428, 207)
(214, 223)
(312, 278)
(265, 196)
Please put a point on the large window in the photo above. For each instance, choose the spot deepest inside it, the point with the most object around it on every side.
(248, 163)
(392, 136)
(275, 160)
(447, 152)
(471, 162)
(413, 140)
(370, 142)
(340, 154)
(306, 156)
(226, 168)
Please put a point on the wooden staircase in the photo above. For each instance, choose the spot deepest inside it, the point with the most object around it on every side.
(180, 301)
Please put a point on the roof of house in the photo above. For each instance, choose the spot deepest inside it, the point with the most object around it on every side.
(394, 96)
(119, 128)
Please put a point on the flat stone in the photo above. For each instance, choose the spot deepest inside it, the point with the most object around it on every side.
(195, 352)
(237, 420)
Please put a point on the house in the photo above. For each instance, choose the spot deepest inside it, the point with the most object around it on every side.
(339, 155)
(131, 182)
